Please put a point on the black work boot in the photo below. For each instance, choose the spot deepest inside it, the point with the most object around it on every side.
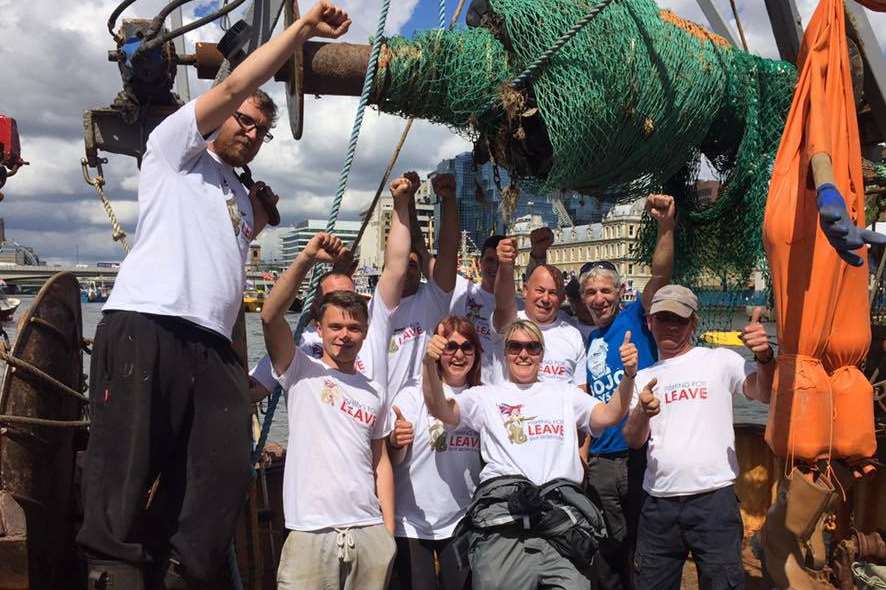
(105, 574)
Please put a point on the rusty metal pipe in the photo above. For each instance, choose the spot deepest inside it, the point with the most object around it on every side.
(335, 69)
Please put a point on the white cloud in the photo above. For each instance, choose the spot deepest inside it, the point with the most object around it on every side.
(53, 63)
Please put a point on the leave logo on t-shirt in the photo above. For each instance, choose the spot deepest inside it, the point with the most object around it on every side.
(540, 428)
(404, 335)
(330, 392)
(514, 422)
(685, 391)
(359, 413)
(460, 440)
(554, 370)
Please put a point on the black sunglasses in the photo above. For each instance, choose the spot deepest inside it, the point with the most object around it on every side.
(533, 347)
(452, 347)
(247, 123)
(589, 266)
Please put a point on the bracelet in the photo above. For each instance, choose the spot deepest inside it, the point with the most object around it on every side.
(767, 361)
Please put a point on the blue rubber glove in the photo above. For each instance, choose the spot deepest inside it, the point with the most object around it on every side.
(841, 232)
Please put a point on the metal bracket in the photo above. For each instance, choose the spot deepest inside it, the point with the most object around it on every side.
(874, 75)
(786, 27)
(717, 22)
(107, 129)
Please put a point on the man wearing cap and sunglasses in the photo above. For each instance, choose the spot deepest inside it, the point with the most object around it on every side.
(684, 410)
(614, 476)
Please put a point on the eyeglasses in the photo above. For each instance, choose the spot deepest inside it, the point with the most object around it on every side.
(589, 266)
(533, 347)
(452, 347)
(247, 123)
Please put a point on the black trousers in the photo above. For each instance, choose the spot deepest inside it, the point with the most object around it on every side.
(416, 570)
(615, 483)
(167, 398)
(708, 525)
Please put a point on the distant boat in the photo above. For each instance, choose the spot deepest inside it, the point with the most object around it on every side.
(253, 300)
(8, 305)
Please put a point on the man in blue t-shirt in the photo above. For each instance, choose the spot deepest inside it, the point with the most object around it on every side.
(615, 475)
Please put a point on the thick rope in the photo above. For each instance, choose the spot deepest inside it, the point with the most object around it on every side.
(530, 73)
(333, 214)
(98, 184)
(396, 154)
(442, 14)
(19, 364)
(29, 421)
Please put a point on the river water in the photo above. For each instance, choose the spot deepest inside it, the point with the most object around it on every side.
(746, 411)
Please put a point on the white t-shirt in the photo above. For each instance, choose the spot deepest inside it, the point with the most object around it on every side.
(528, 430)
(194, 228)
(411, 324)
(328, 480)
(583, 328)
(565, 357)
(437, 478)
(476, 304)
(692, 441)
(371, 360)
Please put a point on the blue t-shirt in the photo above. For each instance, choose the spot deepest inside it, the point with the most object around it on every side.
(605, 369)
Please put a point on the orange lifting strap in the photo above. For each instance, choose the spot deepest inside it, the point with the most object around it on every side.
(822, 405)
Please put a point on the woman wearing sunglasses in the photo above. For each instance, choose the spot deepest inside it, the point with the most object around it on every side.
(436, 468)
(531, 477)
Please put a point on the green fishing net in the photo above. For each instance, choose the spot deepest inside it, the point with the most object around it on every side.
(638, 101)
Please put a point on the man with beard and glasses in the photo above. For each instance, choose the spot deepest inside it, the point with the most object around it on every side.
(614, 476)
(168, 396)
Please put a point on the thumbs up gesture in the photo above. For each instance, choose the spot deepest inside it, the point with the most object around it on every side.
(629, 356)
(403, 432)
(755, 338)
(650, 404)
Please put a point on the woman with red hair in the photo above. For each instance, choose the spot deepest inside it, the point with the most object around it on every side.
(436, 468)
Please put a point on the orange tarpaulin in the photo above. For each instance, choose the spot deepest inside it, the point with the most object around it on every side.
(821, 403)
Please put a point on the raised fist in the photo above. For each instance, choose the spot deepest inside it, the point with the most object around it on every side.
(325, 19)
(507, 251)
(324, 247)
(661, 207)
(541, 238)
(405, 186)
(444, 185)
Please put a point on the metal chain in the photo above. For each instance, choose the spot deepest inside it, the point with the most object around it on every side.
(98, 183)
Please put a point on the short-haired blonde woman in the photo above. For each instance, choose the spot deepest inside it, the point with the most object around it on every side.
(530, 525)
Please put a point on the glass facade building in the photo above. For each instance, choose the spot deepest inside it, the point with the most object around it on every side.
(479, 198)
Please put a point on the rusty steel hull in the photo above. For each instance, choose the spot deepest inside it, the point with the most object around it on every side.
(37, 461)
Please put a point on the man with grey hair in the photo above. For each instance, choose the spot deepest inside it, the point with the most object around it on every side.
(684, 410)
(612, 477)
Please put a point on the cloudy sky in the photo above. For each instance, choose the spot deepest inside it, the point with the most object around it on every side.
(53, 66)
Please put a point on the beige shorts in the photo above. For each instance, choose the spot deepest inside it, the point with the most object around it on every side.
(359, 558)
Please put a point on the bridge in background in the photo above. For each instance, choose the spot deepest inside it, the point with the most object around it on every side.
(29, 278)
